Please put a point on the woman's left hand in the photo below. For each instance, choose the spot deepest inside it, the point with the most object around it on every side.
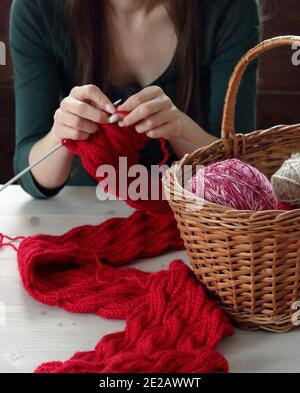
(152, 112)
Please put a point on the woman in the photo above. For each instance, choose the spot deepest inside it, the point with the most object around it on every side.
(168, 60)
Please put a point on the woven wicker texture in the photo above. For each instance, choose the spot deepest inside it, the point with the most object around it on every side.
(249, 261)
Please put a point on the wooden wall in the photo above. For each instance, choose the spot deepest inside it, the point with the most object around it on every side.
(6, 100)
(279, 91)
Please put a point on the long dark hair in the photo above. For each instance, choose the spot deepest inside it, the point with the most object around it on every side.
(89, 30)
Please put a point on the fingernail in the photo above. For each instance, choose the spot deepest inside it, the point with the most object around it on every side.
(110, 108)
(113, 118)
(121, 124)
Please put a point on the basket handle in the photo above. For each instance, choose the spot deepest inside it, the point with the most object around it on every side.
(228, 128)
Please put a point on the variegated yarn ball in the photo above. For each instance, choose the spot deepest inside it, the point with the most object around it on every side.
(286, 181)
(235, 184)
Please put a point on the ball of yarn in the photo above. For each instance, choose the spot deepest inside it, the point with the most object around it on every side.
(235, 184)
(286, 181)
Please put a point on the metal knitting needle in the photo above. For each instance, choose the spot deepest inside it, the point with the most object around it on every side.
(37, 162)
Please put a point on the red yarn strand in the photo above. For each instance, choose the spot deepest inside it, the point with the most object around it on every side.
(11, 240)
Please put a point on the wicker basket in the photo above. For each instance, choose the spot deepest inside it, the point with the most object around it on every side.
(248, 261)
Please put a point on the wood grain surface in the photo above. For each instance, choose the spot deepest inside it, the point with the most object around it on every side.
(32, 333)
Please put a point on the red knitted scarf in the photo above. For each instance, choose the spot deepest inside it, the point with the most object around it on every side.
(171, 325)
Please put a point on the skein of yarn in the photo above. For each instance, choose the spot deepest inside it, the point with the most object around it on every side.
(235, 184)
(286, 181)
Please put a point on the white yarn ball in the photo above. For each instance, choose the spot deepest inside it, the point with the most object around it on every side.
(286, 181)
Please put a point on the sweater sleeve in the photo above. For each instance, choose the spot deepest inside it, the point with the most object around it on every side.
(238, 31)
(36, 84)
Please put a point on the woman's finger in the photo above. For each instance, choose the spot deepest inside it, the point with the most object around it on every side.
(147, 94)
(142, 112)
(71, 120)
(94, 94)
(164, 131)
(84, 110)
(154, 121)
(65, 132)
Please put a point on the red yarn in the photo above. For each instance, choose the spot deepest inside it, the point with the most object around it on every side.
(171, 326)
(10, 241)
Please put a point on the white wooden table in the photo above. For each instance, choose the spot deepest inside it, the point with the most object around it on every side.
(32, 333)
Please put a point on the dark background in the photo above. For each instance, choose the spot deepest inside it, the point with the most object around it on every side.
(279, 86)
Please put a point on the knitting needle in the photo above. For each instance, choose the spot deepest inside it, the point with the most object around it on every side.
(37, 162)
(30, 167)
(22, 173)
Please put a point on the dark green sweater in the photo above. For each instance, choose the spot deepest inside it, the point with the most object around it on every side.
(44, 73)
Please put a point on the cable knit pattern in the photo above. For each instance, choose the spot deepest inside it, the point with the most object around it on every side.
(171, 325)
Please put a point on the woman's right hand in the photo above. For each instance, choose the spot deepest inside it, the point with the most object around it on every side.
(80, 114)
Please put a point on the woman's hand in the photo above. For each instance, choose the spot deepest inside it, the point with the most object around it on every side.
(81, 113)
(152, 113)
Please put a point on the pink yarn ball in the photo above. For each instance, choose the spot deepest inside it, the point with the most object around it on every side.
(235, 184)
